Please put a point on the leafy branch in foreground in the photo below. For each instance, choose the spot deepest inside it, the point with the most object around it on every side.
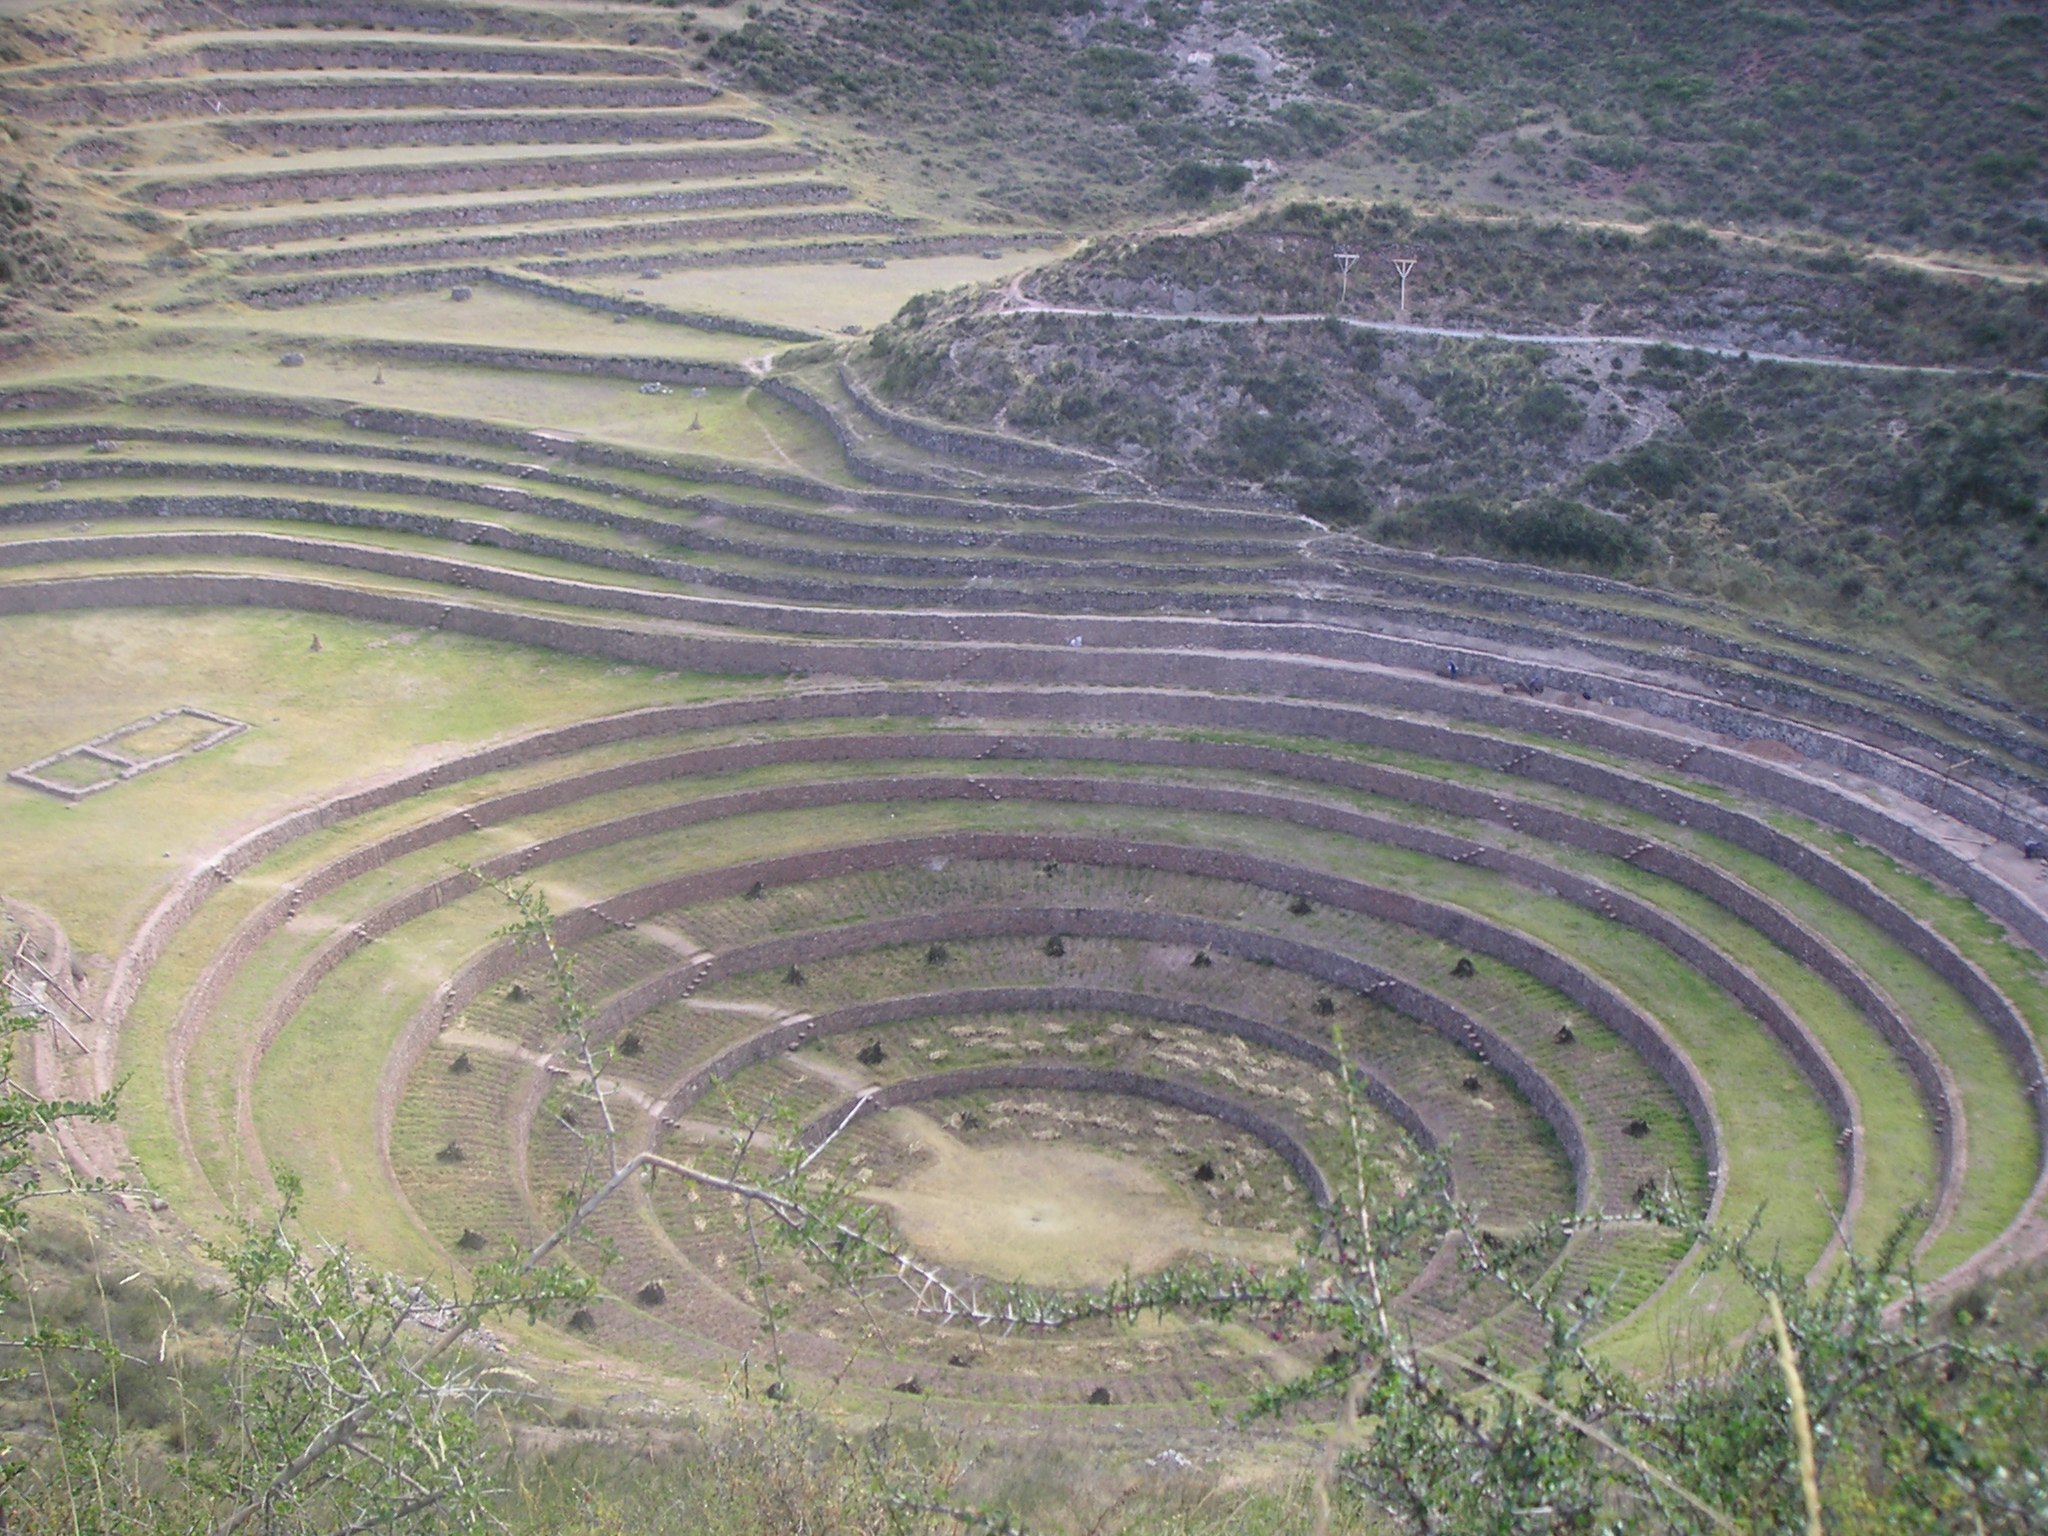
(26, 1117)
(353, 1407)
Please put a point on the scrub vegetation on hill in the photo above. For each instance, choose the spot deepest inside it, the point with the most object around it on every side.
(1860, 497)
(1900, 124)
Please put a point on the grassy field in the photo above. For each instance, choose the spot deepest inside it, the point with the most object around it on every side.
(831, 296)
(490, 316)
(738, 423)
(371, 701)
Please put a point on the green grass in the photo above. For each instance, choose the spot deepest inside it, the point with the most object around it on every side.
(316, 1088)
(1871, 1071)
(493, 317)
(2001, 1136)
(320, 720)
(1729, 1048)
(735, 423)
(312, 1086)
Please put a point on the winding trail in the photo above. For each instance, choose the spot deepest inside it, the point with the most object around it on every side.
(1016, 303)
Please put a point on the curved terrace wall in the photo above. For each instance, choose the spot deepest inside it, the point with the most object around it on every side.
(156, 101)
(399, 180)
(1055, 1078)
(512, 128)
(522, 211)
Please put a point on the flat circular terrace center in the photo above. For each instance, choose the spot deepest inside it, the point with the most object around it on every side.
(1049, 1215)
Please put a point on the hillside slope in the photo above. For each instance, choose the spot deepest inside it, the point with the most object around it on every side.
(1904, 125)
(1859, 498)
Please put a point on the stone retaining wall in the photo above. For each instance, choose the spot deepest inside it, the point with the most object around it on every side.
(56, 397)
(1836, 1097)
(871, 470)
(773, 799)
(1280, 717)
(156, 100)
(960, 507)
(1807, 1053)
(642, 309)
(369, 15)
(956, 442)
(639, 370)
(1607, 784)
(1580, 619)
(861, 1017)
(1000, 663)
(1054, 1078)
(221, 56)
(1662, 1056)
(402, 180)
(2001, 820)
(287, 509)
(236, 237)
(1739, 719)
(809, 253)
(511, 128)
(1425, 1008)
(499, 247)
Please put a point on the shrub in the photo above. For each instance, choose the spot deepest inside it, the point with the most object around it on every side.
(1197, 181)
(1550, 410)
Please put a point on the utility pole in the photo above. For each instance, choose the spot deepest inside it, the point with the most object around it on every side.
(1346, 260)
(1404, 265)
